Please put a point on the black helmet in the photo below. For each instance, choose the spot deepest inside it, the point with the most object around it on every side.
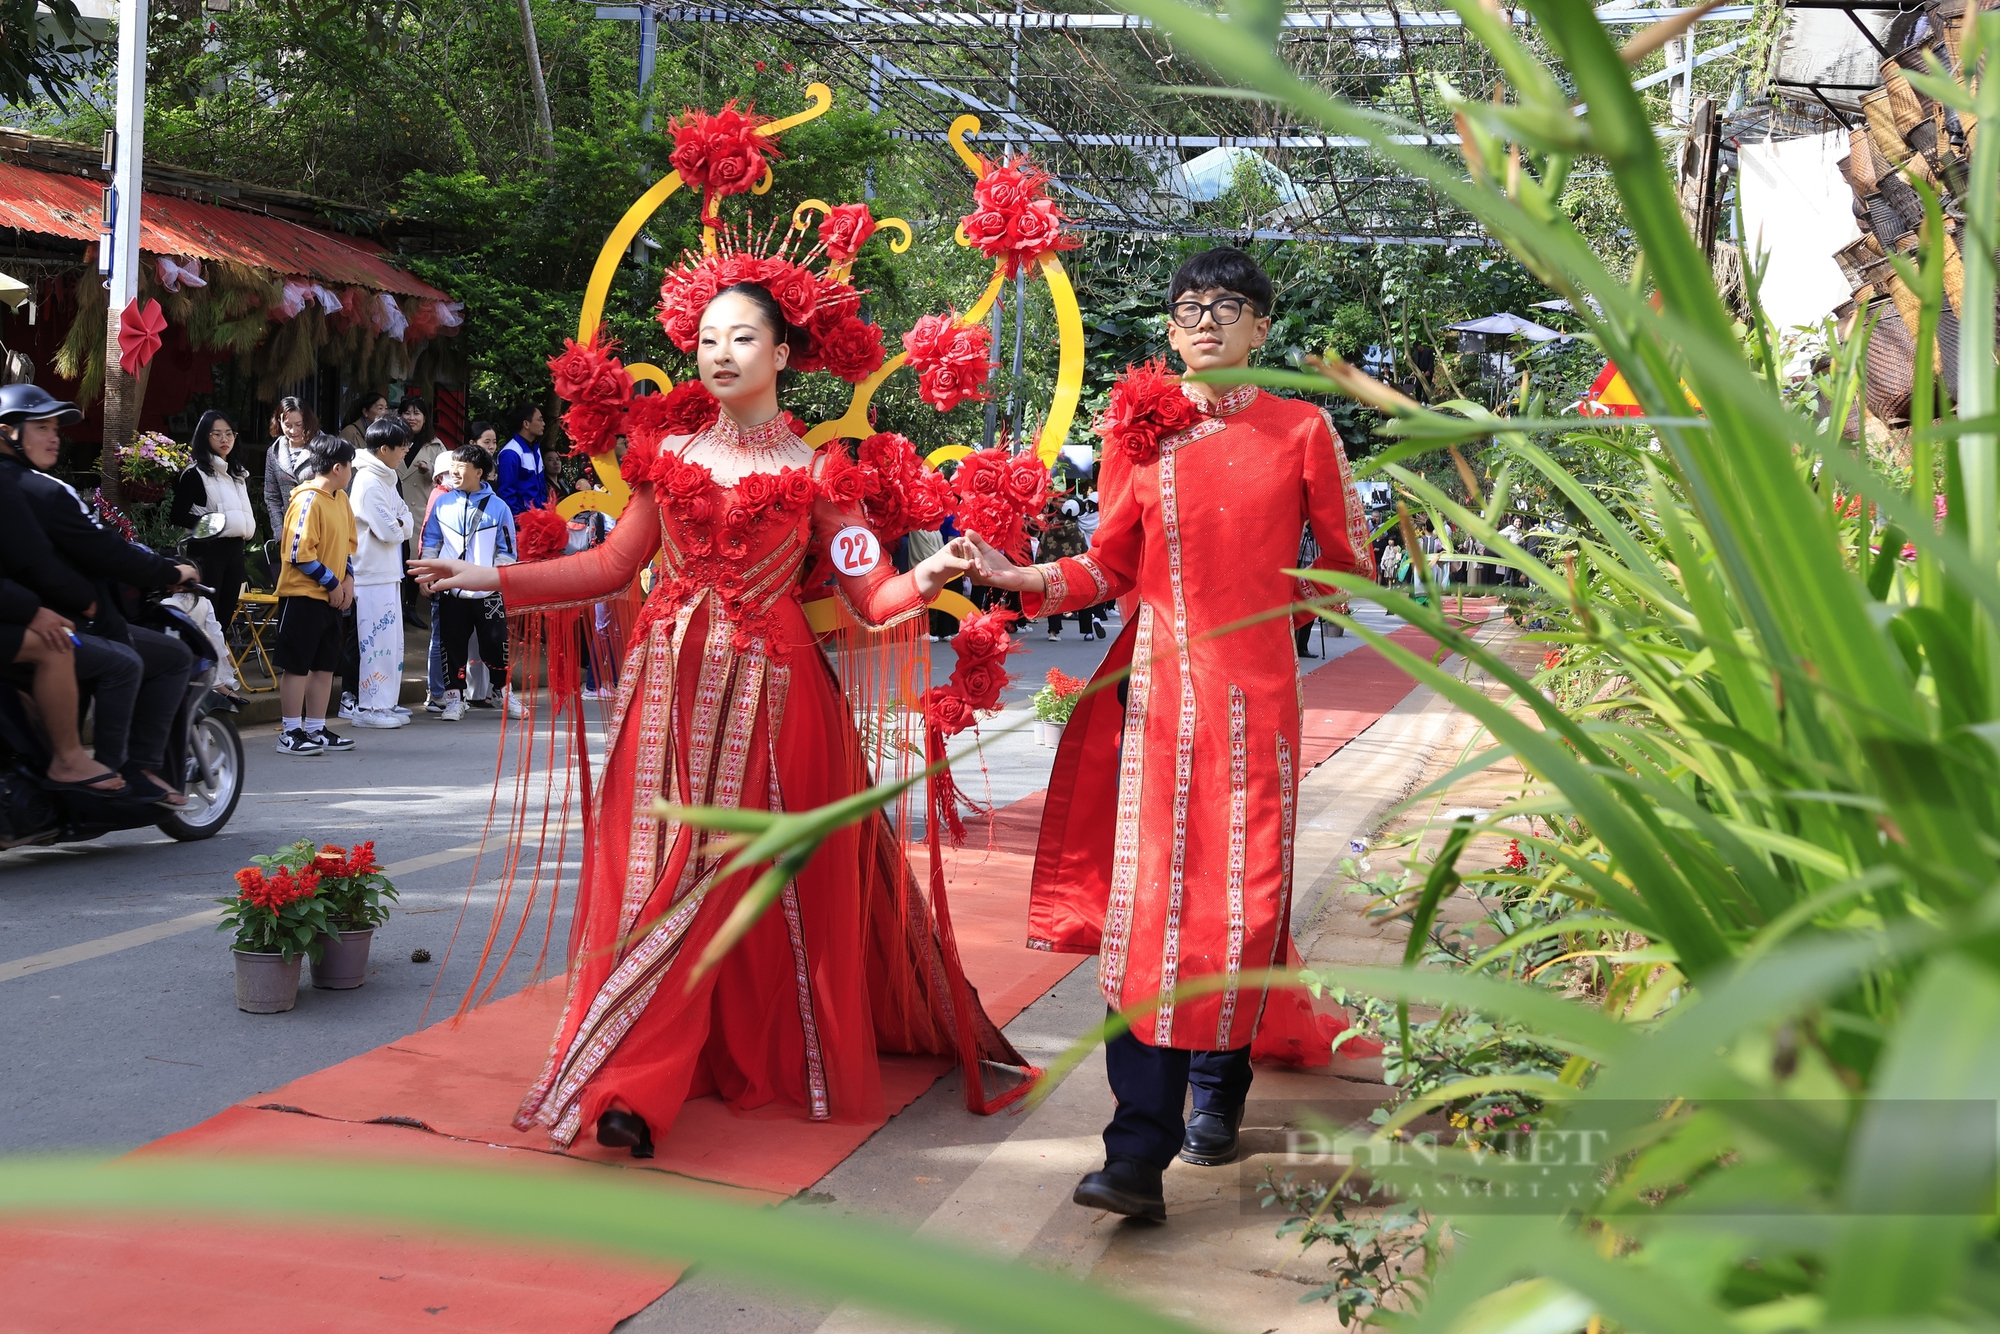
(31, 402)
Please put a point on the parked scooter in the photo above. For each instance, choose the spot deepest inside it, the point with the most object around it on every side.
(202, 745)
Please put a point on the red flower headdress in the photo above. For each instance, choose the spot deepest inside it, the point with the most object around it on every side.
(1146, 405)
(832, 336)
(951, 360)
(1012, 219)
(721, 154)
(540, 534)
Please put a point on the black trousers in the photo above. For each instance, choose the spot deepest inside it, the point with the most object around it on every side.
(1151, 1085)
(220, 560)
(139, 736)
(111, 671)
(461, 618)
(350, 655)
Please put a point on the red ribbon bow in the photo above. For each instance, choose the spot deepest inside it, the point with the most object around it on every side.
(139, 330)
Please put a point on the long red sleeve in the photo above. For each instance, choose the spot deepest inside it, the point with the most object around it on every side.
(588, 576)
(1110, 569)
(877, 599)
(1333, 507)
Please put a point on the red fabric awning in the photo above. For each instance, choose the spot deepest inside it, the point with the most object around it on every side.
(58, 205)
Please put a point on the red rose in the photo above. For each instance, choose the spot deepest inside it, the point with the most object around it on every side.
(795, 488)
(687, 408)
(757, 491)
(1002, 189)
(926, 501)
(981, 683)
(842, 481)
(797, 291)
(987, 231)
(969, 348)
(696, 541)
(697, 509)
(589, 373)
(739, 267)
(637, 465)
(982, 473)
(981, 636)
(888, 453)
(686, 479)
(853, 350)
(721, 153)
(737, 516)
(844, 230)
(946, 711)
(926, 338)
(538, 535)
(593, 427)
(1037, 229)
(1027, 483)
(796, 425)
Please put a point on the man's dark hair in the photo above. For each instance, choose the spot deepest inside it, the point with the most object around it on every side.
(1227, 268)
(477, 457)
(386, 432)
(512, 423)
(324, 454)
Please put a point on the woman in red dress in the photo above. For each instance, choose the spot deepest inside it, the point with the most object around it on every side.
(726, 700)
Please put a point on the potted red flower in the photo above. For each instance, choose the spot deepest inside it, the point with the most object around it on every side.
(357, 898)
(279, 918)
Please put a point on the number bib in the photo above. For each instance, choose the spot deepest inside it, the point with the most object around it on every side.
(855, 551)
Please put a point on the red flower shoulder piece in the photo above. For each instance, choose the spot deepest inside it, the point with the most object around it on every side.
(540, 534)
(951, 360)
(720, 154)
(1147, 405)
(997, 494)
(894, 489)
(1012, 219)
(593, 381)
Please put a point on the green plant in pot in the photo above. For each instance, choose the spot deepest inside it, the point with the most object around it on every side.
(278, 917)
(1054, 703)
(357, 897)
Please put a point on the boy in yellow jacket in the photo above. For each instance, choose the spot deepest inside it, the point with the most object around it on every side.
(315, 584)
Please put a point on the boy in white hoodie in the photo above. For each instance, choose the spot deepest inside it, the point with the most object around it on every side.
(382, 523)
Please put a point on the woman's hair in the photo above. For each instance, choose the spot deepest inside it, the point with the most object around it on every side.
(426, 433)
(291, 405)
(782, 330)
(477, 429)
(477, 457)
(363, 401)
(204, 457)
(386, 432)
(324, 454)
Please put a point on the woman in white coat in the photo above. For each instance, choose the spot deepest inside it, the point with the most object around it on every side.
(382, 523)
(216, 483)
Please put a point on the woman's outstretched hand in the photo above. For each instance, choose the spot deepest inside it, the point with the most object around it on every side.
(990, 566)
(436, 575)
(941, 567)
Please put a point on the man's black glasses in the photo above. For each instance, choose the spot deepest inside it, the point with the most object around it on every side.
(1225, 309)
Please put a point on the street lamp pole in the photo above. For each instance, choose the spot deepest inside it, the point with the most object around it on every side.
(122, 392)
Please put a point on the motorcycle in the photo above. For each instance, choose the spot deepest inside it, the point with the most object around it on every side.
(202, 744)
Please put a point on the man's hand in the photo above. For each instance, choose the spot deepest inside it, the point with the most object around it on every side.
(54, 630)
(188, 573)
(991, 567)
(342, 597)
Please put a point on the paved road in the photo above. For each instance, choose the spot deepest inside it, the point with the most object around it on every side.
(127, 1046)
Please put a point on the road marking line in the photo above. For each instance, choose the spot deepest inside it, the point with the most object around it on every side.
(146, 935)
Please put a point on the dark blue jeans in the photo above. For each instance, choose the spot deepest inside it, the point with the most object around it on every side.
(1151, 1085)
(136, 690)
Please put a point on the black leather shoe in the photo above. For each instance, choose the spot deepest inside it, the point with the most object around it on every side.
(625, 1130)
(1210, 1140)
(1125, 1186)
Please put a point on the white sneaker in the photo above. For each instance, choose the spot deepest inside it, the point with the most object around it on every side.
(401, 711)
(454, 706)
(379, 718)
(348, 706)
(515, 709)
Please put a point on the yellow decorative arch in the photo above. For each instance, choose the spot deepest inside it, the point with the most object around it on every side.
(852, 424)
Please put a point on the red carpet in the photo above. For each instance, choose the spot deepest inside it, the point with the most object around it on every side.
(448, 1094)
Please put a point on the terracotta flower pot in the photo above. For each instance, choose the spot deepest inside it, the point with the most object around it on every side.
(266, 983)
(343, 964)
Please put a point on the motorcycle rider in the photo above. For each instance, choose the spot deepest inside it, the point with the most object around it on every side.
(29, 444)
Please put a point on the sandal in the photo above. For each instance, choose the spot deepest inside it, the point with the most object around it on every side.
(151, 790)
(88, 785)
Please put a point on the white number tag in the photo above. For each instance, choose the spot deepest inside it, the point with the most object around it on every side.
(855, 551)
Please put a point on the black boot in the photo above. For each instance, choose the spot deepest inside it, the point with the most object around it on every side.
(1210, 1140)
(1125, 1186)
(625, 1130)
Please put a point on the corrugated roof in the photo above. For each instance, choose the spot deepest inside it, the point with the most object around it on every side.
(58, 205)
